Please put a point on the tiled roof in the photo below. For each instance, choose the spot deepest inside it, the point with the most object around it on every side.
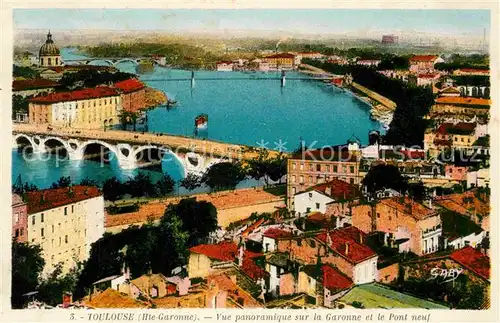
(225, 62)
(473, 260)
(463, 128)
(411, 208)
(330, 277)
(276, 233)
(51, 198)
(252, 227)
(234, 291)
(337, 189)
(474, 70)
(463, 100)
(111, 298)
(85, 94)
(351, 236)
(457, 203)
(224, 251)
(423, 58)
(20, 85)
(17, 200)
(429, 76)
(251, 268)
(129, 85)
(338, 153)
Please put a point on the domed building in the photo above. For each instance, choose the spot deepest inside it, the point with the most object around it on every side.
(49, 54)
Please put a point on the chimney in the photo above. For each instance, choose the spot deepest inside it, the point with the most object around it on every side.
(328, 190)
(328, 238)
(346, 248)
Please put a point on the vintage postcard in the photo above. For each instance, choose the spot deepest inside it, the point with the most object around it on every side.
(325, 161)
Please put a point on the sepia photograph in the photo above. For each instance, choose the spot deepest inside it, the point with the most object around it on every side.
(334, 159)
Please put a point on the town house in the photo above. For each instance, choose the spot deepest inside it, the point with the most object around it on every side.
(65, 222)
(424, 63)
(19, 219)
(132, 94)
(409, 225)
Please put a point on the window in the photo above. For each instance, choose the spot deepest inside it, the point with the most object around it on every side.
(378, 215)
(17, 233)
(301, 179)
(16, 217)
(308, 210)
(59, 241)
(351, 180)
(52, 228)
(318, 167)
(310, 194)
(33, 220)
(41, 232)
(52, 242)
(72, 209)
(335, 169)
(293, 178)
(311, 167)
(317, 205)
(344, 169)
(352, 169)
(66, 239)
(310, 179)
(301, 166)
(294, 190)
(65, 210)
(41, 217)
(22, 232)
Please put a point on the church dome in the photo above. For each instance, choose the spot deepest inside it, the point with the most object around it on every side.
(49, 48)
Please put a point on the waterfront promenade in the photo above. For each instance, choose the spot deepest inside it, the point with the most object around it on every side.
(175, 143)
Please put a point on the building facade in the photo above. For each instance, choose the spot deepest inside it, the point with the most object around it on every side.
(65, 222)
(132, 94)
(424, 63)
(88, 108)
(19, 219)
(407, 225)
(319, 166)
(282, 61)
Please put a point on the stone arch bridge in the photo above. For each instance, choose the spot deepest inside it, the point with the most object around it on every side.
(128, 155)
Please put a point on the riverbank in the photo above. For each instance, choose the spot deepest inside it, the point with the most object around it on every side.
(154, 98)
(382, 108)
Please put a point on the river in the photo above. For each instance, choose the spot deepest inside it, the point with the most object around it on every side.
(240, 109)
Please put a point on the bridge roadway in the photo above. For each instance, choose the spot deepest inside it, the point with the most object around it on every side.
(174, 143)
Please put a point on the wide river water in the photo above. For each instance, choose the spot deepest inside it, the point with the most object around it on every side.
(242, 108)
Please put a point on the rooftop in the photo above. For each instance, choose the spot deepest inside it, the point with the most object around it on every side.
(337, 189)
(424, 58)
(460, 128)
(85, 94)
(473, 260)
(378, 296)
(350, 243)
(17, 200)
(111, 298)
(224, 251)
(331, 278)
(277, 233)
(51, 198)
(281, 55)
(21, 85)
(129, 85)
(409, 207)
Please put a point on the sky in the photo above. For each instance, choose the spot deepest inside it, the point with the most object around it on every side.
(311, 21)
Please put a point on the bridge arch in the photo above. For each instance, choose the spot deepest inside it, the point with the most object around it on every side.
(93, 148)
(134, 154)
(124, 60)
(23, 140)
(107, 61)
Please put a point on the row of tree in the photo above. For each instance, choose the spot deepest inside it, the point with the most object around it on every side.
(221, 176)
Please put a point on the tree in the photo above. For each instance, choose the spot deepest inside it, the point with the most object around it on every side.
(171, 250)
(89, 182)
(258, 167)
(140, 251)
(112, 189)
(27, 265)
(199, 218)
(165, 185)
(224, 175)
(384, 176)
(191, 182)
(140, 185)
(63, 181)
(52, 288)
(276, 168)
